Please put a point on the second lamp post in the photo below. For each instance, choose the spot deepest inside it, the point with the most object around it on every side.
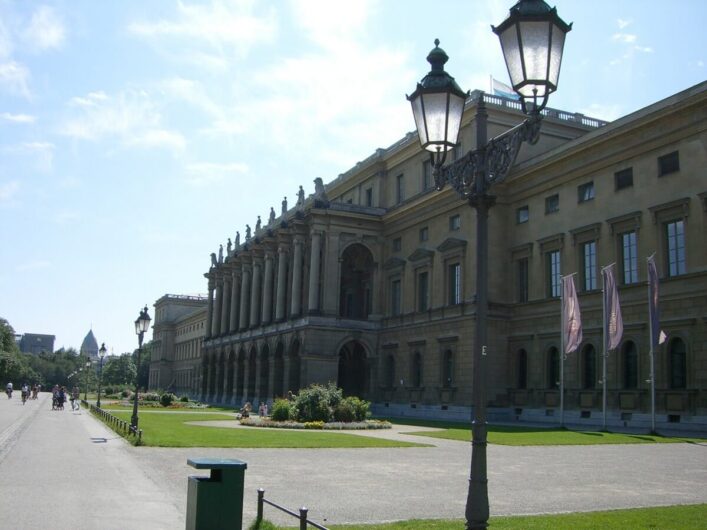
(532, 39)
(142, 324)
(101, 355)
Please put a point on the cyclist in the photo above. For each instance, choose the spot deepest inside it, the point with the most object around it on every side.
(25, 393)
(8, 390)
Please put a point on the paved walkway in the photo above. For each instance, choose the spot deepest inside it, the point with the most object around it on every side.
(84, 482)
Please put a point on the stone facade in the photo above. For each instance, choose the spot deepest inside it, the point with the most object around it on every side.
(371, 281)
(178, 333)
(36, 343)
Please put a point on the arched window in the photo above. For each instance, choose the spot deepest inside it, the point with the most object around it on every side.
(589, 372)
(447, 369)
(630, 362)
(678, 364)
(389, 371)
(522, 382)
(417, 370)
(553, 367)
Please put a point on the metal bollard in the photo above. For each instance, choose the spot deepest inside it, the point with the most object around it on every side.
(261, 494)
(303, 518)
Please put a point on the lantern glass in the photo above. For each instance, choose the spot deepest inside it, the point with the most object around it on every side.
(102, 351)
(438, 118)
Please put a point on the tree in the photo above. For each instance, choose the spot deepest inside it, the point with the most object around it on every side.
(143, 372)
(7, 337)
(119, 370)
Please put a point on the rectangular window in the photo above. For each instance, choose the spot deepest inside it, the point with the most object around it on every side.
(422, 291)
(455, 223)
(676, 247)
(585, 192)
(669, 163)
(552, 204)
(623, 179)
(397, 244)
(424, 234)
(589, 265)
(629, 257)
(369, 196)
(553, 274)
(399, 188)
(395, 297)
(454, 294)
(523, 280)
(522, 215)
(426, 175)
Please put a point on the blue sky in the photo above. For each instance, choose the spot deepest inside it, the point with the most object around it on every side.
(135, 137)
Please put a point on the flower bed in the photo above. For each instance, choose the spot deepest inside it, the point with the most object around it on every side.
(329, 426)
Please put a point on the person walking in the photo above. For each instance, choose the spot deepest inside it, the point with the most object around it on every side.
(75, 393)
(8, 390)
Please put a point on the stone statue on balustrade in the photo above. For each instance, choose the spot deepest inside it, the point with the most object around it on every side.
(229, 247)
(320, 198)
(271, 220)
(247, 233)
(284, 207)
(238, 239)
(220, 253)
(257, 225)
(213, 260)
(300, 198)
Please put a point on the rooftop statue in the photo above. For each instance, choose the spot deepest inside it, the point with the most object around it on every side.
(220, 253)
(271, 221)
(257, 225)
(300, 198)
(238, 239)
(247, 233)
(284, 206)
(320, 198)
(213, 259)
(229, 246)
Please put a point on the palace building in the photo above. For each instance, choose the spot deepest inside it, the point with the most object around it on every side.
(370, 281)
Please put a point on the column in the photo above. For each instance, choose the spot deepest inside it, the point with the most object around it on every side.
(209, 310)
(225, 303)
(216, 327)
(245, 290)
(255, 295)
(296, 306)
(235, 301)
(314, 265)
(267, 290)
(281, 284)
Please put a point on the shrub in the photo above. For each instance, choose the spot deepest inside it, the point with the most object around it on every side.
(317, 402)
(361, 408)
(282, 410)
(126, 393)
(345, 411)
(150, 396)
(167, 398)
(184, 399)
(314, 425)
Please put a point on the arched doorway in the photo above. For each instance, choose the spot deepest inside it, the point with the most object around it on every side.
(353, 369)
(264, 391)
(229, 375)
(279, 371)
(252, 363)
(204, 377)
(294, 377)
(356, 282)
(240, 375)
(220, 373)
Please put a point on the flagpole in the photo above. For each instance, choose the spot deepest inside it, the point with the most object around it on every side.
(605, 353)
(562, 354)
(652, 349)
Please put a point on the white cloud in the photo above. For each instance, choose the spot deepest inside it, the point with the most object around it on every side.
(14, 77)
(45, 30)
(222, 26)
(18, 118)
(203, 173)
(623, 23)
(644, 49)
(131, 116)
(8, 190)
(624, 37)
(5, 41)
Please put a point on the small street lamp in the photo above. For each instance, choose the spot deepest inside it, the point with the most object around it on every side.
(142, 324)
(532, 39)
(101, 355)
(85, 379)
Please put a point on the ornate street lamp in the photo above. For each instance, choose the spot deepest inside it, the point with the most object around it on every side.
(532, 38)
(85, 389)
(101, 355)
(142, 324)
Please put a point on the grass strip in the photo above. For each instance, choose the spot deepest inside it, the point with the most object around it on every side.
(171, 430)
(687, 517)
(520, 435)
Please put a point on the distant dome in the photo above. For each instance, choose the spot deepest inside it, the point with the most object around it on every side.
(89, 346)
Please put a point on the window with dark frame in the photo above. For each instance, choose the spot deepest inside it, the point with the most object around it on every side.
(630, 362)
(552, 204)
(675, 235)
(553, 275)
(397, 244)
(522, 215)
(447, 369)
(395, 293)
(369, 197)
(422, 291)
(426, 175)
(417, 370)
(623, 179)
(629, 257)
(522, 382)
(455, 223)
(553, 368)
(589, 265)
(454, 295)
(400, 188)
(678, 364)
(585, 192)
(669, 163)
(523, 280)
(424, 234)
(589, 372)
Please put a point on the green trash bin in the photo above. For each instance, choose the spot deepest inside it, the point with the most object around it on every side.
(216, 502)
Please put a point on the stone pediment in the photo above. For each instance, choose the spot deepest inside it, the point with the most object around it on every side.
(394, 263)
(451, 243)
(420, 254)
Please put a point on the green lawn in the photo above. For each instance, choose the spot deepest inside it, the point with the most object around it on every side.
(690, 517)
(116, 405)
(536, 435)
(168, 429)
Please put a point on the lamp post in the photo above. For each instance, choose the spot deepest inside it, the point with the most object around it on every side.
(532, 39)
(101, 355)
(142, 324)
(85, 379)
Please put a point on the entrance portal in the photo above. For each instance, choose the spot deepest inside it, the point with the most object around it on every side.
(353, 369)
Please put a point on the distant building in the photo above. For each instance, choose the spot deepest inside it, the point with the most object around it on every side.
(178, 332)
(89, 346)
(36, 343)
